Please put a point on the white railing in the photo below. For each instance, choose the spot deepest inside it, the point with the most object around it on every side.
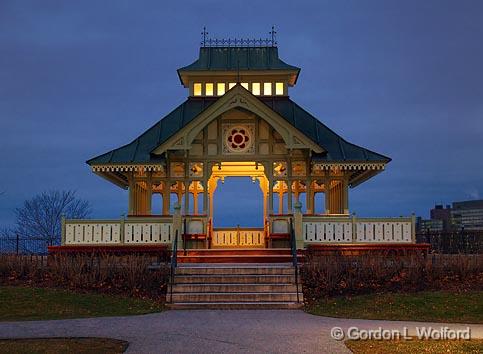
(238, 237)
(326, 229)
(147, 232)
(116, 232)
(92, 232)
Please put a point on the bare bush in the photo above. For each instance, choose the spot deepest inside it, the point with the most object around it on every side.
(105, 273)
(333, 275)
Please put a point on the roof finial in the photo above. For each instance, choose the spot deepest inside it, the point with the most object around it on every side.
(273, 33)
(204, 33)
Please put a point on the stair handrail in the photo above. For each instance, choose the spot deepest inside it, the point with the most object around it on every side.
(266, 232)
(173, 265)
(293, 248)
(209, 231)
(184, 235)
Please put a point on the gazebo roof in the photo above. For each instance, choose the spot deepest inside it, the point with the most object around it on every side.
(244, 59)
(336, 149)
(234, 58)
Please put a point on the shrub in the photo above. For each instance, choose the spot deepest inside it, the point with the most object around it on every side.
(105, 273)
(327, 275)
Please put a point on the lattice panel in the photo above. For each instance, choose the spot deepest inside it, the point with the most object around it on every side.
(225, 238)
(92, 233)
(383, 231)
(327, 231)
(238, 238)
(147, 232)
(252, 238)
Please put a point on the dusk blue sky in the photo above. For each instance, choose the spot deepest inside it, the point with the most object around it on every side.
(403, 78)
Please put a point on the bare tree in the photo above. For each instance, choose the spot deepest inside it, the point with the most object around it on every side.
(40, 217)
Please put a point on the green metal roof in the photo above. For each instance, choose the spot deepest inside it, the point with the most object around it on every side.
(234, 58)
(337, 149)
(139, 150)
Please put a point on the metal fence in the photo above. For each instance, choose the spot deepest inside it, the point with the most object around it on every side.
(24, 245)
(453, 242)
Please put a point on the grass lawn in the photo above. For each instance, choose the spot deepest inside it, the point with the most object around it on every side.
(62, 345)
(414, 346)
(426, 306)
(23, 303)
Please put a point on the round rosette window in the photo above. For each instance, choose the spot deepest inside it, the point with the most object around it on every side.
(238, 139)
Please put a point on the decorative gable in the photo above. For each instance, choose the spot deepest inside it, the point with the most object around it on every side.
(288, 137)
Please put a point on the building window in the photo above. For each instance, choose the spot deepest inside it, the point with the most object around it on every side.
(267, 88)
(245, 85)
(256, 88)
(209, 89)
(230, 85)
(197, 89)
(220, 88)
(279, 88)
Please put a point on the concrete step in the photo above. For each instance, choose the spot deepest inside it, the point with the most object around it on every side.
(235, 305)
(234, 288)
(235, 251)
(235, 297)
(234, 279)
(213, 285)
(239, 270)
(234, 258)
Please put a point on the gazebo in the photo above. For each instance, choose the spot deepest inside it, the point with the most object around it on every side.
(238, 120)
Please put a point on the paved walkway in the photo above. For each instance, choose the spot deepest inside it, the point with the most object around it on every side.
(244, 331)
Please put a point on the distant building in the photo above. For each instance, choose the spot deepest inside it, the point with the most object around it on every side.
(431, 225)
(467, 215)
(442, 214)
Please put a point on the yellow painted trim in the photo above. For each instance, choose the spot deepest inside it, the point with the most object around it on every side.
(128, 168)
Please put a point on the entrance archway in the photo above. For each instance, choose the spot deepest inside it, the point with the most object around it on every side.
(238, 202)
(241, 173)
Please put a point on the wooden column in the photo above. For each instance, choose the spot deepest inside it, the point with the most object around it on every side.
(212, 183)
(187, 197)
(289, 197)
(136, 198)
(195, 197)
(331, 198)
(270, 196)
(179, 192)
(265, 206)
(327, 195)
(334, 199)
(142, 200)
(205, 197)
(166, 197)
(149, 194)
(346, 195)
(211, 205)
(130, 210)
(264, 188)
(341, 197)
(312, 198)
(308, 196)
(296, 191)
(139, 199)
